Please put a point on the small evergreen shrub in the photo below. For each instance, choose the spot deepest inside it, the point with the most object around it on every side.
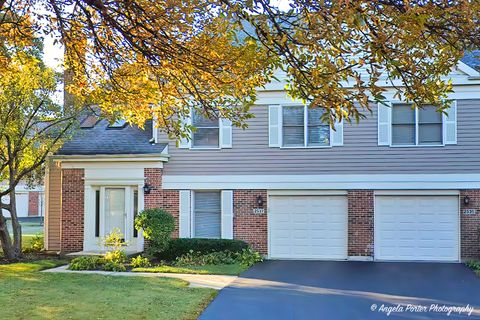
(140, 262)
(87, 263)
(181, 246)
(157, 226)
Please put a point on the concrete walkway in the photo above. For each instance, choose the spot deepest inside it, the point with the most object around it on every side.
(217, 282)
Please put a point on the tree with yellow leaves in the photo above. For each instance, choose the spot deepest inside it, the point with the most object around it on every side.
(32, 126)
(136, 57)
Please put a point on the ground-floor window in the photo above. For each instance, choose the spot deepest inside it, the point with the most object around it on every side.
(206, 214)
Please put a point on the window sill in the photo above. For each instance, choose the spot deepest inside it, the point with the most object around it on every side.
(308, 147)
(205, 148)
(418, 146)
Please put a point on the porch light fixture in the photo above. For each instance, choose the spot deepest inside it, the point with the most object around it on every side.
(260, 201)
(466, 200)
(147, 188)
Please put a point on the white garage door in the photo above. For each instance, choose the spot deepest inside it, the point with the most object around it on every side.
(416, 228)
(308, 227)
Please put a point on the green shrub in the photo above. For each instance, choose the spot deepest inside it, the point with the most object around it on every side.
(114, 266)
(140, 262)
(37, 243)
(87, 263)
(201, 259)
(248, 257)
(182, 246)
(157, 226)
(118, 256)
(113, 241)
(475, 265)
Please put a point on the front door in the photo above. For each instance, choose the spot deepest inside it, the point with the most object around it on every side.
(115, 210)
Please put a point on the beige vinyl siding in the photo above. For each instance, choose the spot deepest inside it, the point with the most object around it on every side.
(53, 207)
(360, 153)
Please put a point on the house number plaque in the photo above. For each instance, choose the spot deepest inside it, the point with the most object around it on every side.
(258, 211)
(469, 212)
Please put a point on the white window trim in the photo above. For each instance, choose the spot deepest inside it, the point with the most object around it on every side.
(305, 130)
(416, 145)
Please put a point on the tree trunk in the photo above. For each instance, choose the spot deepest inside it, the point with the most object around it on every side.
(5, 240)
(16, 227)
(11, 250)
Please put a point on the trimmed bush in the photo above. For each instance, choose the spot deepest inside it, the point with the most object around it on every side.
(203, 259)
(157, 226)
(87, 263)
(181, 246)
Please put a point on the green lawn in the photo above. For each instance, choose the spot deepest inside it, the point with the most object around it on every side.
(27, 294)
(226, 269)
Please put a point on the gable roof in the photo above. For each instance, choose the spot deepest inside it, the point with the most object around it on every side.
(102, 140)
(472, 59)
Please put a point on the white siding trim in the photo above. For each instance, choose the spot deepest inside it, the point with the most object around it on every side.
(325, 182)
(417, 193)
(227, 214)
(307, 193)
(185, 214)
(384, 116)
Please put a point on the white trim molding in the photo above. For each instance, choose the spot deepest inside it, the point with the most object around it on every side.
(324, 182)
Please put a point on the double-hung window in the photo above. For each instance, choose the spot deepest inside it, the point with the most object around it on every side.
(207, 214)
(303, 127)
(416, 126)
(207, 131)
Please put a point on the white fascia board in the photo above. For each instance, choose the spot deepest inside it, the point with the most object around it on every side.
(467, 69)
(109, 158)
(461, 92)
(472, 78)
(324, 182)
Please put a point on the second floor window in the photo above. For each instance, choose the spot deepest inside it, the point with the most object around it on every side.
(207, 133)
(303, 127)
(416, 126)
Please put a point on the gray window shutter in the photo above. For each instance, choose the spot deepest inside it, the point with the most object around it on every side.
(186, 143)
(450, 124)
(274, 126)
(384, 124)
(227, 214)
(225, 133)
(185, 215)
(337, 135)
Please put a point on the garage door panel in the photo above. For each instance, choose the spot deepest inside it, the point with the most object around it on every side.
(316, 227)
(416, 228)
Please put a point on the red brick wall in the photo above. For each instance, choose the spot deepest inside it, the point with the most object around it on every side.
(158, 198)
(360, 222)
(247, 226)
(72, 210)
(33, 197)
(470, 226)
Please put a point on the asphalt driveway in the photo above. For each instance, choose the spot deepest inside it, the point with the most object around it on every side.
(349, 290)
